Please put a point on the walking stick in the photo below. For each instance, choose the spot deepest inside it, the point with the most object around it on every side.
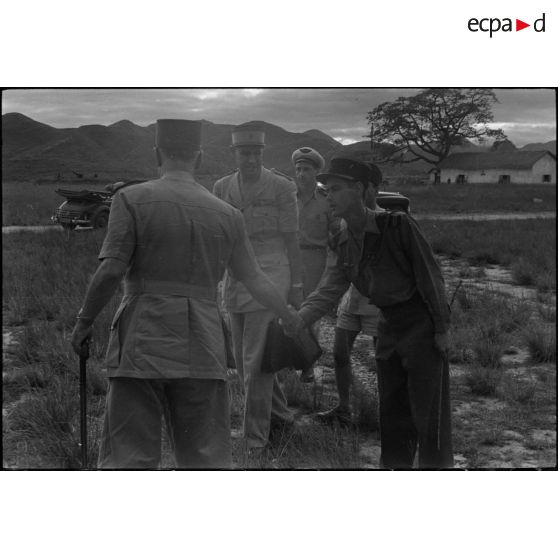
(84, 355)
(455, 292)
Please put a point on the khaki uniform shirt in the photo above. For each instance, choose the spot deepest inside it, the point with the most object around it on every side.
(268, 213)
(397, 264)
(315, 220)
(178, 239)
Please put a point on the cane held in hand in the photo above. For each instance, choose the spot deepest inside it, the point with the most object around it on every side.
(83, 356)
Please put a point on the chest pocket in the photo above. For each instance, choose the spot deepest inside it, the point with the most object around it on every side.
(262, 217)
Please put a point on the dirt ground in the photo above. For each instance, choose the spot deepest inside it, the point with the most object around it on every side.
(488, 431)
(510, 444)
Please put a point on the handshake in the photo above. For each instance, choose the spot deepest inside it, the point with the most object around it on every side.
(294, 324)
(290, 343)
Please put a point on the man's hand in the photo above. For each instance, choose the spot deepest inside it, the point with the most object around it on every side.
(81, 332)
(441, 342)
(296, 296)
(294, 324)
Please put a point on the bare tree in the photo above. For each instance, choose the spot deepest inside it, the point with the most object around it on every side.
(427, 125)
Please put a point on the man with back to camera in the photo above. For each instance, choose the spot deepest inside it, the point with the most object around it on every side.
(267, 200)
(387, 258)
(171, 240)
(314, 224)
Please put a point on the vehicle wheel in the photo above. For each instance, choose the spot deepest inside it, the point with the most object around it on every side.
(100, 221)
(68, 226)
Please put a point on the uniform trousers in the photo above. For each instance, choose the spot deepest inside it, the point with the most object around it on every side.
(263, 396)
(197, 417)
(313, 266)
(413, 386)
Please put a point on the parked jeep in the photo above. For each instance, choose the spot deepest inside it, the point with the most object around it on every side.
(87, 208)
(391, 201)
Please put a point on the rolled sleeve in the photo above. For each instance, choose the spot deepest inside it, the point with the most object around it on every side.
(332, 286)
(120, 240)
(288, 206)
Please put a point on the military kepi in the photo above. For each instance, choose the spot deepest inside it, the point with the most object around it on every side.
(351, 169)
(178, 136)
(248, 135)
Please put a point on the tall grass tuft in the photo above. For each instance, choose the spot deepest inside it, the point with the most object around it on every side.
(483, 381)
(482, 322)
(541, 342)
(518, 389)
(365, 406)
(319, 447)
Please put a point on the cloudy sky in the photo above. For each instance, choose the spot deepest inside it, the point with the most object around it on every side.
(526, 115)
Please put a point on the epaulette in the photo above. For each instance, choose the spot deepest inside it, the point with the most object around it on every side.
(279, 173)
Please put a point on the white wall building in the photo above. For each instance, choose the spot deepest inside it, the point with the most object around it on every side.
(505, 167)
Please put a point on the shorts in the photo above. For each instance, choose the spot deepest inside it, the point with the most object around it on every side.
(368, 325)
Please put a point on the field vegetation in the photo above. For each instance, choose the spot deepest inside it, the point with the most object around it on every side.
(29, 203)
(496, 394)
(527, 247)
(478, 198)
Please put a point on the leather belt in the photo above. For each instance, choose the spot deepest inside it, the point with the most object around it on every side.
(313, 247)
(176, 288)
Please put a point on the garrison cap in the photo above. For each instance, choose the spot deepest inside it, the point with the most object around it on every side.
(248, 134)
(348, 169)
(178, 136)
(308, 155)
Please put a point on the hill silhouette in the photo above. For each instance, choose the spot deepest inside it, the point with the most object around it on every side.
(32, 150)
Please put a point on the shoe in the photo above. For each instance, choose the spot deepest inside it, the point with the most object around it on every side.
(337, 414)
(307, 376)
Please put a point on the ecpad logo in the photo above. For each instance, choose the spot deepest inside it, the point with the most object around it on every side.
(494, 24)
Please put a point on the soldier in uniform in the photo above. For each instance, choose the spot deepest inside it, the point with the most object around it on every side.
(355, 315)
(387, 258)
(267, 200)
(314, 223)
(171, 240)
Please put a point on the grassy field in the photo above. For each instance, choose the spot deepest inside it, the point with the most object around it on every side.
(29, 203)
(527, 247)
(26, 203)
(503, 357)
(466, 198)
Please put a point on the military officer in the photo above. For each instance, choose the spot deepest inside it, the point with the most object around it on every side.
(267, 200)
(387, 258)
(314, 222)
(171, 241)
(355, 315)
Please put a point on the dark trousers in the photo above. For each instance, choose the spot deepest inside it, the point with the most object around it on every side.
(196, 413)
(413, 385)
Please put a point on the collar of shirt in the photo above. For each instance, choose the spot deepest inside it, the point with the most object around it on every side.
(178, 174)
(300, 195)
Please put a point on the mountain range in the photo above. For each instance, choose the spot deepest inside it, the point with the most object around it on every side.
(32, 150)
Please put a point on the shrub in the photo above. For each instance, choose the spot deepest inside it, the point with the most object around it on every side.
(489, 346)
(547, 312)
(483, 381)
(520, 390)
(541, 342)
(523, 272)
